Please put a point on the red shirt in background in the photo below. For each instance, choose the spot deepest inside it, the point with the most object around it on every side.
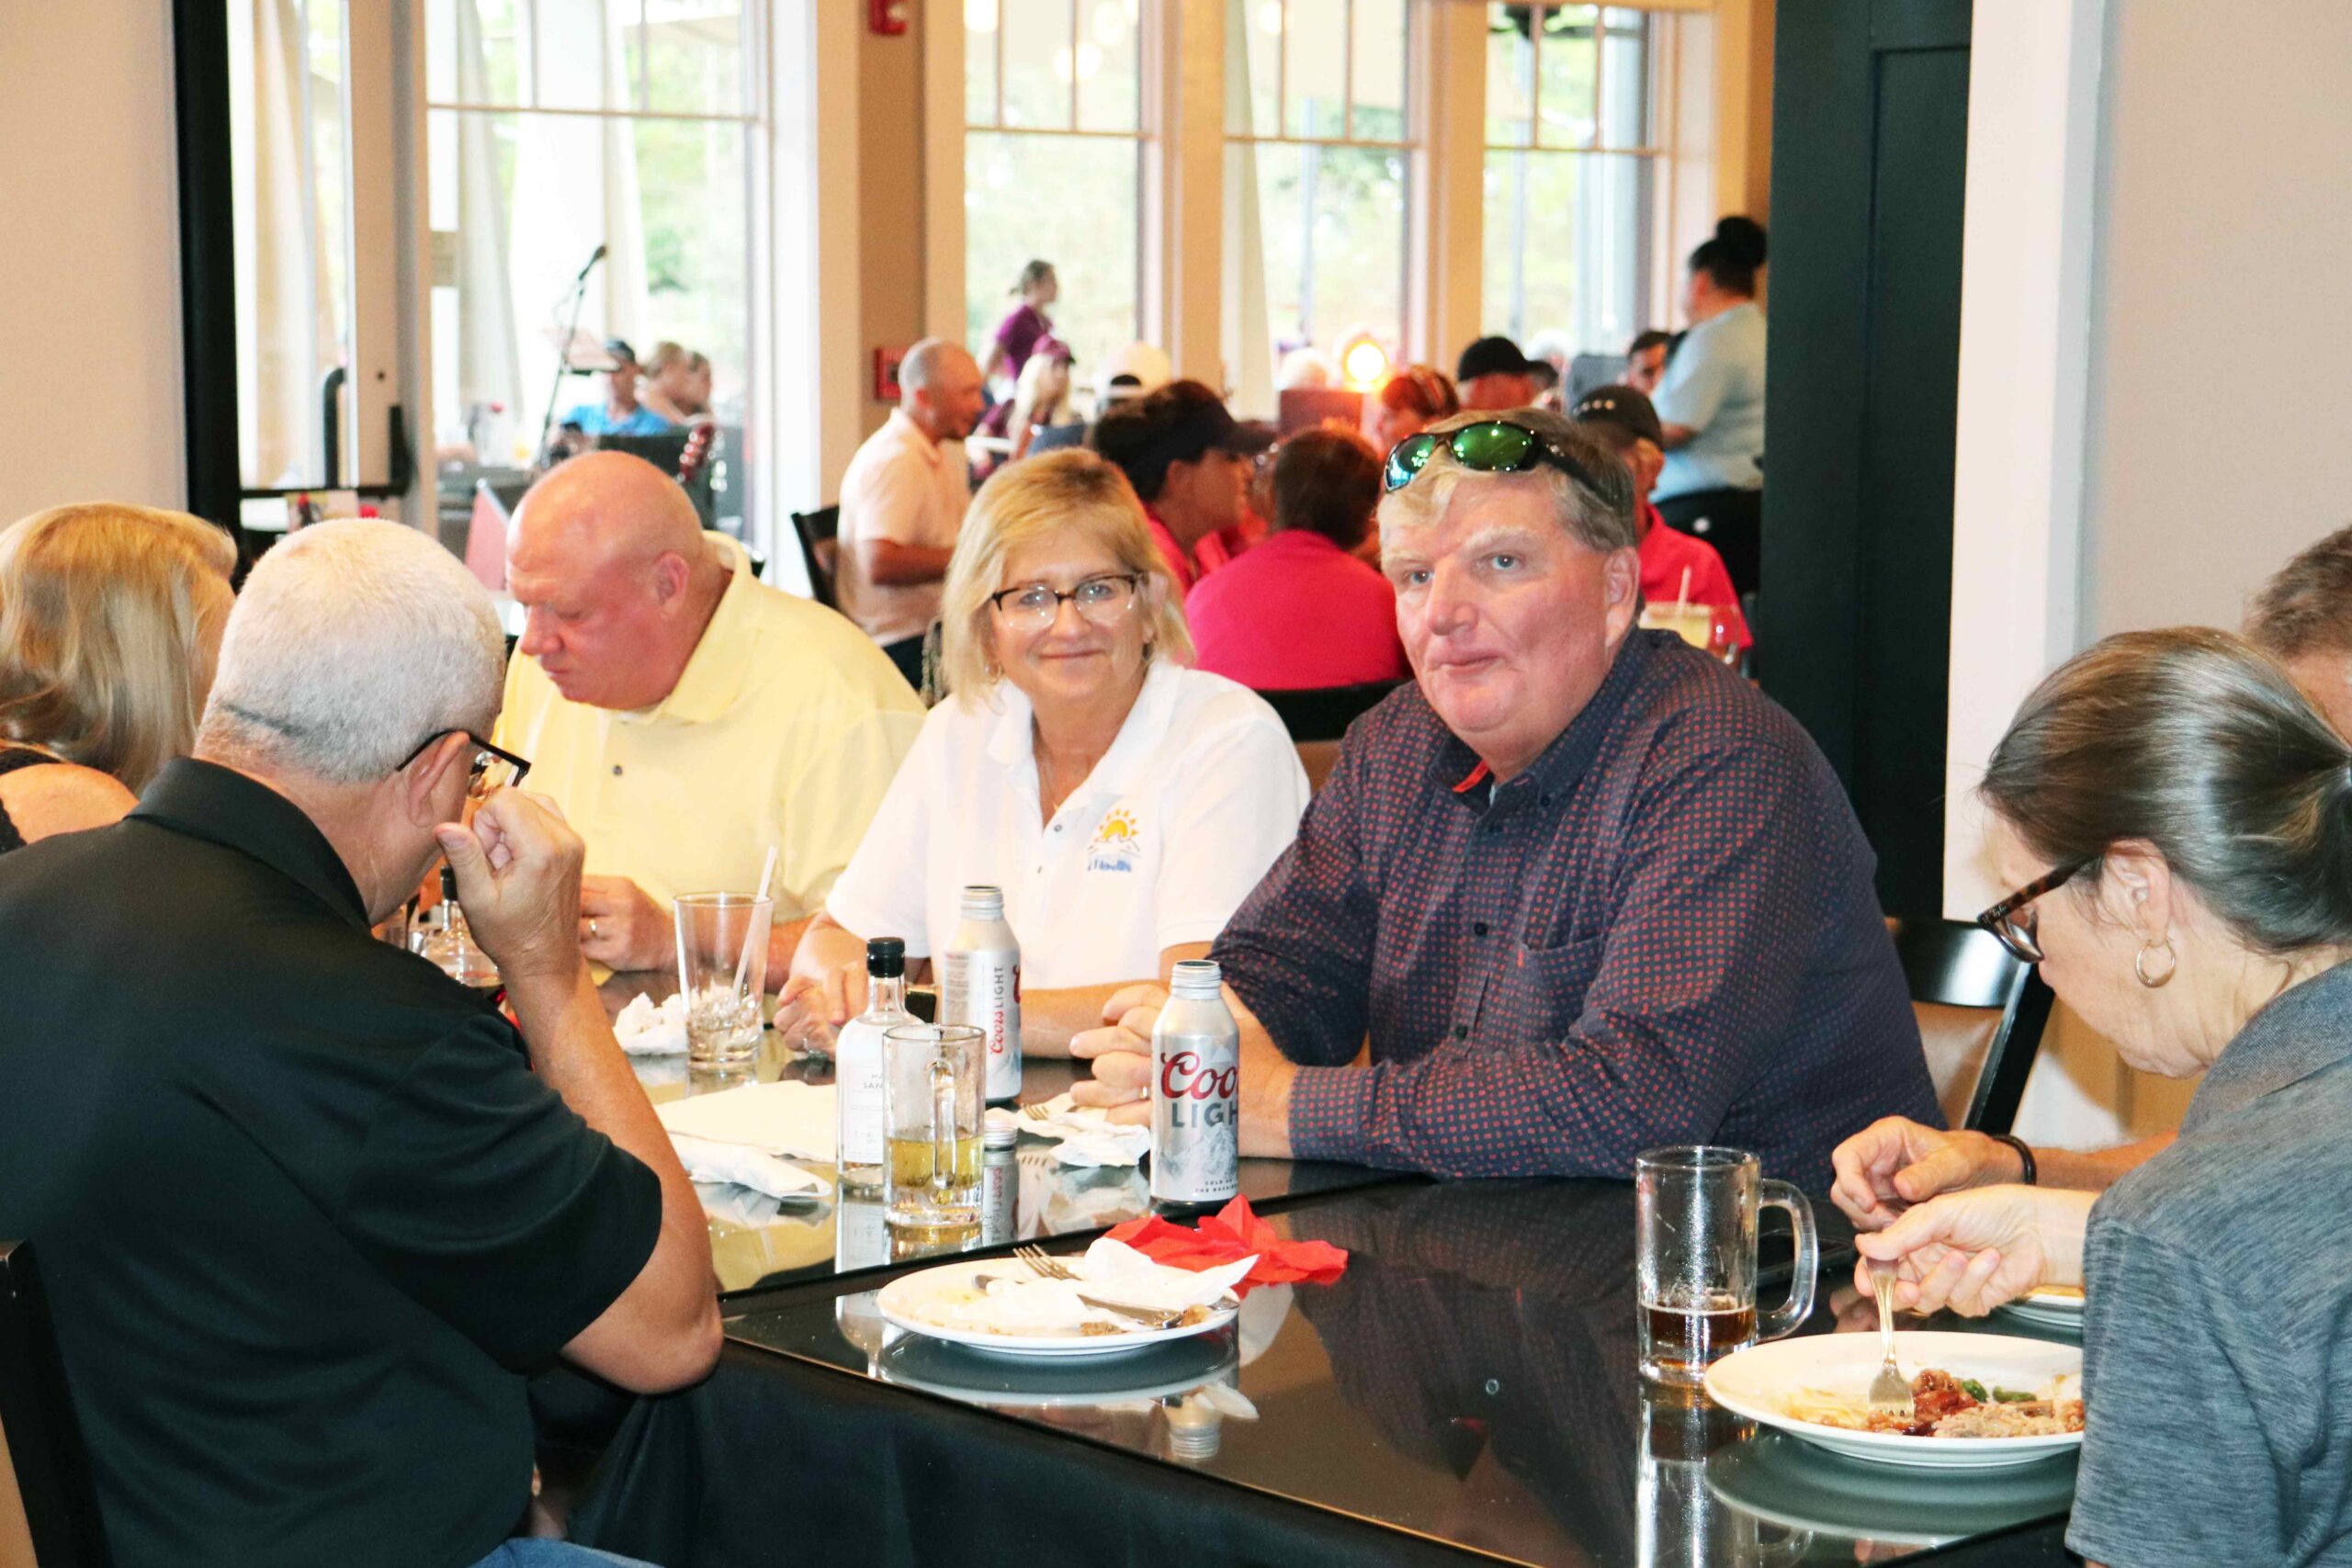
(1296, 611)
(1665, 556)
(1218, 549)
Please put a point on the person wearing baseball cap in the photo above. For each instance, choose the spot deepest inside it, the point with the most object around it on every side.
(1189, 462)
(1627, 423)
(1494, 375)
(618, 413)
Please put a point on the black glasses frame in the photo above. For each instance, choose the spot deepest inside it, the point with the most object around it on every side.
(1401, 470)
(2010, 920)
(1134, 580)
(522, 765)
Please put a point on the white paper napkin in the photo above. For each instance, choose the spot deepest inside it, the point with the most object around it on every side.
(1085, 1135)
(746, 1185)
(1018, 1302)
(789, 1118)
(647, 1029)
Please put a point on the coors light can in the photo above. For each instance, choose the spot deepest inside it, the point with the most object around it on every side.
(1195, 1091)
(982, 986)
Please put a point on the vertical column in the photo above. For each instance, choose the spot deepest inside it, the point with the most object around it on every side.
(1447, 235)
(1183, 228)
(941, 38)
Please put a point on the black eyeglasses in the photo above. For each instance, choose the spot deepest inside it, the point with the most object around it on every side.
(1101, 600)
(493, 768)
(2012, 919)
(1490, 446)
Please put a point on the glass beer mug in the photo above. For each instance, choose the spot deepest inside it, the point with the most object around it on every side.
(931, 1098)
(1695, 1212)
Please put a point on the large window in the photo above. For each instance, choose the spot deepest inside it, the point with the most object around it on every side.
(1570, 173)
(615, 136)
(1317, 149)
(1053, 155)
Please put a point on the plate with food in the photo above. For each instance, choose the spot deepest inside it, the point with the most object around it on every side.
(2048, 1306)
(1118, 1301)
(1980, 1401)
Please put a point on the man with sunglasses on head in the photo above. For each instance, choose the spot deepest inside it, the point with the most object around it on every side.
(308, 1211)
(1578, 892)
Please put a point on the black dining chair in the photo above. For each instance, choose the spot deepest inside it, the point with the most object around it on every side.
(819, 535)
(1982, 1012)
(44, 1441)
(1324, 713)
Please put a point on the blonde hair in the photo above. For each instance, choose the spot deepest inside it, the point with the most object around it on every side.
(1037, 498)
(108, 616)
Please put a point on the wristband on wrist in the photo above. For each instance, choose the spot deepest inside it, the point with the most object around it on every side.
(2025, 1155)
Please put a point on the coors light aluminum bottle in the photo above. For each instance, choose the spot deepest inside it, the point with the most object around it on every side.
(983, 988)
(1195, 1091)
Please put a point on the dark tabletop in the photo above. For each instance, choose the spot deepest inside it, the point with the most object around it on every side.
(759, 1243)
(1468, 1385)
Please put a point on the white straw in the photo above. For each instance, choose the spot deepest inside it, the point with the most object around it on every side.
(1683, 600)
(743, 961)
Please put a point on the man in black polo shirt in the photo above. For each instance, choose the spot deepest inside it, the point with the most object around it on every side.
(309, 1211)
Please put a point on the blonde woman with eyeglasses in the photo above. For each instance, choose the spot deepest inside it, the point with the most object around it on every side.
(1125, 802)
(111, 622)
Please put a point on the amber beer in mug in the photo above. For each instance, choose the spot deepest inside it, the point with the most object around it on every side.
(1695, 1212)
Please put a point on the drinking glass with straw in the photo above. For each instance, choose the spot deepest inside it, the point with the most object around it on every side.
(722, 970)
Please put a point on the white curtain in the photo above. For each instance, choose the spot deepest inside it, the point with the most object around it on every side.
(1248, 334)
(290, 342)
(489, 369)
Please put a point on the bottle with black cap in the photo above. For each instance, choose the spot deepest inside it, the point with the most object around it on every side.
(449, 943)
(861, 1128)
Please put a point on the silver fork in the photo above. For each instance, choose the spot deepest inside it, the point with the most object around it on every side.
(1035, 1111)
(1890, 1390)
(1039, 1263)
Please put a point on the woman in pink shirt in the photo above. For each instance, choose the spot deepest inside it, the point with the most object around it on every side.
(1299, 611)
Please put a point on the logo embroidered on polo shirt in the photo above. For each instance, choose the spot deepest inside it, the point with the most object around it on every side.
(1116, 843)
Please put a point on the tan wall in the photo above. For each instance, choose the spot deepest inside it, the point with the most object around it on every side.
(890, 199)
(89, 285)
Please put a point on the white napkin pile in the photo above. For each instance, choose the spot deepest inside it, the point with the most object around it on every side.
(1086, 1135)
(1017, 1302)
(647, 1029)
(745, 1135)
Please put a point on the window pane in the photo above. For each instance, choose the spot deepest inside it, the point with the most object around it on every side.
(288, 171)
(1511, 76)
(1080, 192)
(473, 52)
(1253, 67)
(1381, 70)
(1564, 248)
(1332, 231)
(693, 57)
(1037, 62)
(981, 21)
(1625, 80)
(1566, 63)
(1109, 65)
(1315, 56)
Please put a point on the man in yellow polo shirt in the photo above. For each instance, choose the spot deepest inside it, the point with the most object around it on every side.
(687, 717)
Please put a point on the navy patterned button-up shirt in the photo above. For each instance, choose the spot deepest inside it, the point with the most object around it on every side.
(1664, 931)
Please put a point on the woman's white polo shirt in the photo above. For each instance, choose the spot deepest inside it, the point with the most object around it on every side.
(1196, 797)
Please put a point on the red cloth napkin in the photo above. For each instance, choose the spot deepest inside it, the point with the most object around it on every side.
(1229, 1236)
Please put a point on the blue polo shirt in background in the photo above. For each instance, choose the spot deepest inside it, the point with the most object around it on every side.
(596, 419)
(1714, 385)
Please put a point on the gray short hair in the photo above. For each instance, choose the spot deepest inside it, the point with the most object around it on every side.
(351, 643)
(2306, 607)
(1597, 507)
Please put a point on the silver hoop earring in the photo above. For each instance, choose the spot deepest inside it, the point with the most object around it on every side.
(2140, 963)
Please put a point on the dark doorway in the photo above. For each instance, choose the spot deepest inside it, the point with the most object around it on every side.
(1870, 141)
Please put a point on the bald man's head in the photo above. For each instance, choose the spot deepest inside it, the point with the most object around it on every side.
(618, 578)
(940, 390)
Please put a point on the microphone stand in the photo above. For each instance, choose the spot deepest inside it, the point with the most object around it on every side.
(564, 352)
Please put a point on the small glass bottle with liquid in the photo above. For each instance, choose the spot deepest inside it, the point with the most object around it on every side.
(861, 1126)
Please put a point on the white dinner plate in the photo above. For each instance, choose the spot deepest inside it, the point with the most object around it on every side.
(908, 1303)
(2047, 1308)
(1755, 1381)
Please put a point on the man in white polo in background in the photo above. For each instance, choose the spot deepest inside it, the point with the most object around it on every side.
(903, 498)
